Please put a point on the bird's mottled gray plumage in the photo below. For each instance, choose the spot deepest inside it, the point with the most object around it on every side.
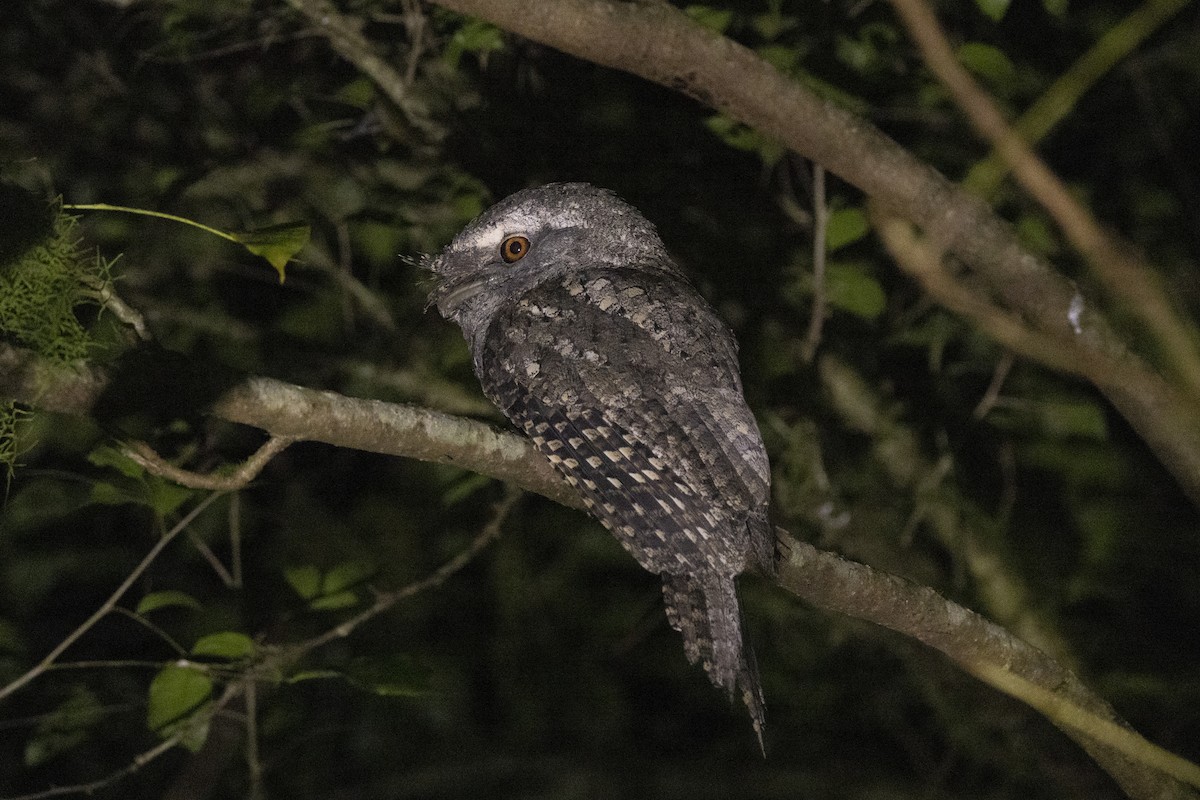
(596, 346)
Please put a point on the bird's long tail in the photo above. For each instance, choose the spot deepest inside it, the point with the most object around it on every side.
(707, 613)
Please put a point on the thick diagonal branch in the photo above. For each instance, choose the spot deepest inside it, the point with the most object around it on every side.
(661, 44)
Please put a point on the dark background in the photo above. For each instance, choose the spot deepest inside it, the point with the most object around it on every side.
(546, 668)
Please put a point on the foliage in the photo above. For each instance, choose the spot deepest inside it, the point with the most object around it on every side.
(545, 666)
(42, 289)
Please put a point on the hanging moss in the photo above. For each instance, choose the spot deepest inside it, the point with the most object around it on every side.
(43, 287)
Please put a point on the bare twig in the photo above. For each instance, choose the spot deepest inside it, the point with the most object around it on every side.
(138, 761)
(820, 221)
(153, 463)
(992, 394)
(109, 604)
(345, 35)
(386, 600)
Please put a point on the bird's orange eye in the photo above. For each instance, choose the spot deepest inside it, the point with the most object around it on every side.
(514, 249)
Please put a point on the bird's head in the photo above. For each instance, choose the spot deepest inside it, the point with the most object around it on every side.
(534, 235)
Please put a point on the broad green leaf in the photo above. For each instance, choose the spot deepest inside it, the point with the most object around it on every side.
(994, 9)
(64, 728)
(166, 599)
(989, 63)
(845, 226)
(850, 287)
(305, 580)
(784, 59)
(313, 675)
(774, 23)
(109, 495)
(1056, 8)
(475, 36)
(107, 456)
(278, 244)
(333, 602)
(360, 93)
(165, 497)
(176, 693)
(743, 137)
(346, 575)
(230, 645)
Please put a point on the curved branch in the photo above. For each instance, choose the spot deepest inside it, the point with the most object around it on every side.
(823, 579)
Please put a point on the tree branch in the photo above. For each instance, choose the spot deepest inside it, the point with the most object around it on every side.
(1124, 276)
(823, 579)
(661, 44)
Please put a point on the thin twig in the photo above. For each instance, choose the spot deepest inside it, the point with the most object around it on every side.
(386, 600)
(139, 761)
(235, 540)
(152, 462)
(253, 758)
(999, 375)
(344, 32)
(113, 599)
(820, 221)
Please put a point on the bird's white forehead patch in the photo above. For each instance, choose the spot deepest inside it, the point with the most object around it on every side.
(517, 221)
(486, 237)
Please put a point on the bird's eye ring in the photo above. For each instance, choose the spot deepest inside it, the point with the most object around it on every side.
(514, 248)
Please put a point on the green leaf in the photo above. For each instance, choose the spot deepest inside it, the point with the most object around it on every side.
(988, 62)
(64, 728)
(845, 226)
(993, 9)
(164, 497)
(333, 602)
(346, 575)
(743, 137)
(313, 675)
(107, 494)
(475, 36)
(107, 456)
(850, 287)
(166, 599)
(712, 18)
(774, 23)
(395, 675)
(305, 580)
(278, 244)
(784, 59)
(176, 693)
(231, 645)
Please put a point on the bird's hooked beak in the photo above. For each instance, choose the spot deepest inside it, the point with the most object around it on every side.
(450, 294)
